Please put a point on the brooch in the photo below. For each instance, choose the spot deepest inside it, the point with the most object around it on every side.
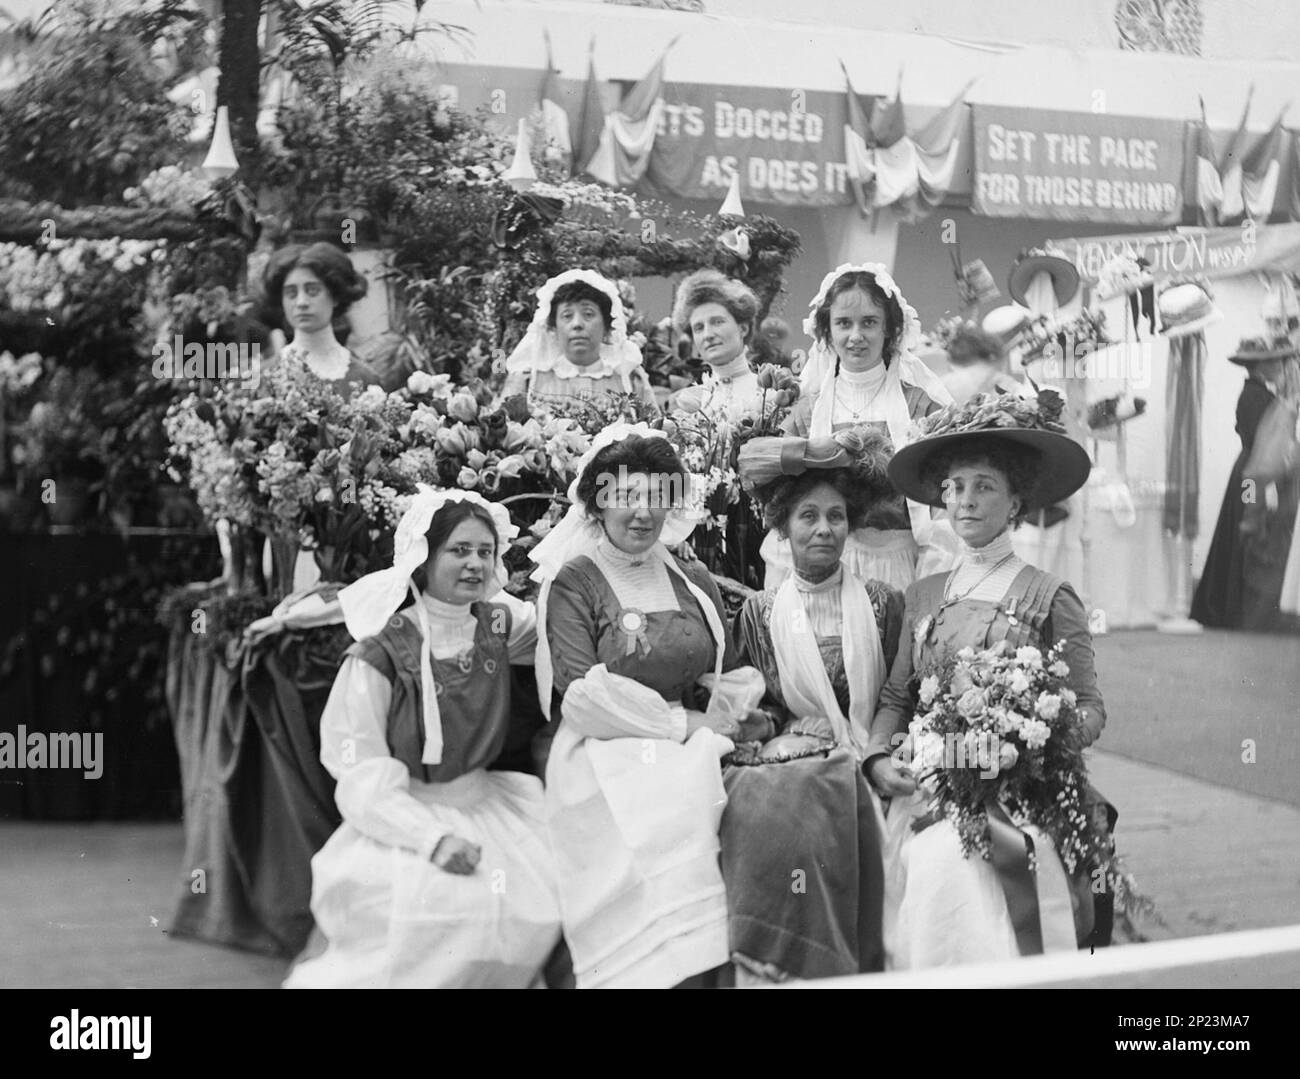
(1011, 613)
(923, 628)
(632, 623)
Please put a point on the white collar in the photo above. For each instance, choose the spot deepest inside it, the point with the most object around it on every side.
(871, 378)
(441, 611)
(619, 558)
(603, 366)
(995, 550)
(733, 369)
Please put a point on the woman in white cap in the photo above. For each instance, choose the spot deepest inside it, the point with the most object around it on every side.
(861, 373)
(633, 781)
(440, 874)
(577, 349)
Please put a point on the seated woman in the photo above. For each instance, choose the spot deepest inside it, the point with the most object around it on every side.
(801, 848)
(633, 782)
(861, 374)
(995, 463)
(577, 347)
(719, 317)
(440, 875)
(312, 289)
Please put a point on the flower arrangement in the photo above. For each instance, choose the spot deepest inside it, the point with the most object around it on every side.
(170, 188)
(1114, 410)
(945, 330)
(992, 410)
(1002, 728)
(1046, 333)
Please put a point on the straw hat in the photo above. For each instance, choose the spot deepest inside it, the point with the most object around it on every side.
(1063, 465)
(1064, 275)
(1186, 309)
(1258, 349)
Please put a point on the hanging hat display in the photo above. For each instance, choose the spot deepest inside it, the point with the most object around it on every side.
(1063, 274)
(1007, 323)
(1063, 464)
(1185, 309)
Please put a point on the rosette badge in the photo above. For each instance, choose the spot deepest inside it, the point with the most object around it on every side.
(633, 623)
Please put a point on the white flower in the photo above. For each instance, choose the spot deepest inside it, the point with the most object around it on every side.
(1029, 656)
(1059, 668)
(1035, 733)
(929, 688)
(1008, 754)
(372, 399)
(1049, 705)
(966, 653)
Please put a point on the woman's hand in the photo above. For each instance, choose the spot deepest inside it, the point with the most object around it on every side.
(456, 855)
(754, 726)
(889, 779)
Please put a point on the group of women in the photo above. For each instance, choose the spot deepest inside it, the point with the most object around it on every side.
(722, 804)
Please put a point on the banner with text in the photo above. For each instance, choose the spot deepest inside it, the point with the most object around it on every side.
(1068, 166)
(787, 145)
(1221, 252)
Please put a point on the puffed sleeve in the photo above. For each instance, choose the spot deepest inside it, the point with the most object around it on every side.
(373, 791)
(523, 628)
(1067, 619)
(897, 700)
(609, 705)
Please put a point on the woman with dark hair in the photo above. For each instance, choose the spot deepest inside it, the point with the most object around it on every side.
(862, 374)
(577, 347)
(310, 289)
(633, 783)
(799, 808)
(990, 462)
(440, 875)
(719, 316)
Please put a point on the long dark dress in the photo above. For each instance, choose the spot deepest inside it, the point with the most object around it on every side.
(1241, 583)
(801, 852)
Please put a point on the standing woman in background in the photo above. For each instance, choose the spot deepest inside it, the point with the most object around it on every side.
(1241, 586)
(309, 290)
(861, 373)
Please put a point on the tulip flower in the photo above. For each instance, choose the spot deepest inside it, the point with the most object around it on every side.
(490, 480)
(511, 466)
(467, 478)
(450, 441)
(476, 459)
(463, 407)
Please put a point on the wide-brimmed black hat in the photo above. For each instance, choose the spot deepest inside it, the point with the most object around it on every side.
(1258, 349)
(1063, 465)
(1064, 275)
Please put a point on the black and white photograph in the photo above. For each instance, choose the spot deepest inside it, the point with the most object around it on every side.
(647, 494)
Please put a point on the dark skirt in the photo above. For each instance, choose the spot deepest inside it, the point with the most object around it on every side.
(801, 859)
(1241, 585)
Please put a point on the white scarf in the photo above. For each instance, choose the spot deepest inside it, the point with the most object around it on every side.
(805, 684)
(891, 404)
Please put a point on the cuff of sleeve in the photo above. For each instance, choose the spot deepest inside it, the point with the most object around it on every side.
(430, 844)
(677, 719)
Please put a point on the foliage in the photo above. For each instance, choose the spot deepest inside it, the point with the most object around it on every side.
(91, 116)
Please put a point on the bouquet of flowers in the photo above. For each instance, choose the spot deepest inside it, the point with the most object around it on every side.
(1002, 727)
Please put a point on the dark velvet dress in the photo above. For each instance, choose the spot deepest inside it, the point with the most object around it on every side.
(800, 844)
(1241, 583)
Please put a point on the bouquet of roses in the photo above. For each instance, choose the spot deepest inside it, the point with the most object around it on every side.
(1002, 727)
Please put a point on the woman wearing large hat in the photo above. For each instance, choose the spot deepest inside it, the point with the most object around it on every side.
(824, 640)
(862, 373)
(1242, 582)
(990, 462)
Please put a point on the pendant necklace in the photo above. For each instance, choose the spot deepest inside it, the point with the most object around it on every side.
(928, 622)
